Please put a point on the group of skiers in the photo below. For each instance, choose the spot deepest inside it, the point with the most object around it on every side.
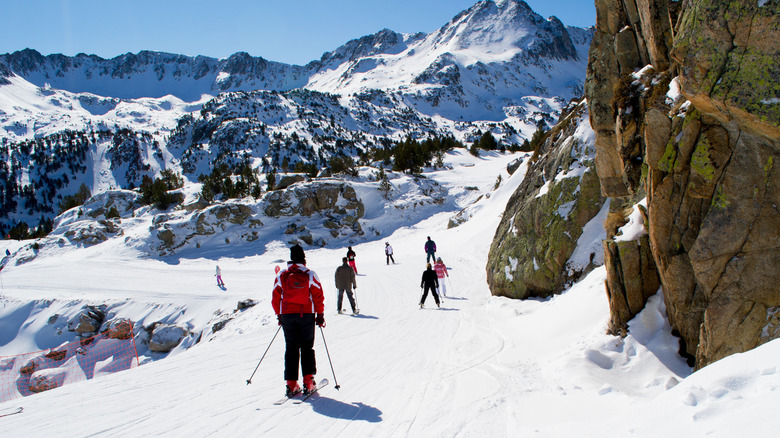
(299, 303)
(433, 277)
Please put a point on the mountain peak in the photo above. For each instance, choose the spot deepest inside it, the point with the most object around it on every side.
(509, 25)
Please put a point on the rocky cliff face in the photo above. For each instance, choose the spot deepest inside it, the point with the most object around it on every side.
(539, 231)
(697, 133)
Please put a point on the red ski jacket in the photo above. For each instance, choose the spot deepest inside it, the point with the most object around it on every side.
(297, 289)
(441, 270)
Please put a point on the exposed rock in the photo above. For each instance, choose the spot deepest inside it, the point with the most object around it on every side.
(56, 355)
(88, 319)
(728, 60)
(544, 218)
(245, 304)
(512, 167)
(199, 203)
(165, 337)
(285, 181)
(632, 279)
(29, 367)
(707, 165)
(119, 328)
(319, 197)
(47, 379)
(99, 205)
(90, 233)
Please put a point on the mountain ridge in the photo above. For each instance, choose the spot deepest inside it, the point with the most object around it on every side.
(512, 72)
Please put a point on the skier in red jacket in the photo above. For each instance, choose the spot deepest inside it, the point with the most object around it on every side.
(297, 296)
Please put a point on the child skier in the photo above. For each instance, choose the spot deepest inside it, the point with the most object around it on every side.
(351, 258)
(389, 253)
(441, 272)
(220, 283)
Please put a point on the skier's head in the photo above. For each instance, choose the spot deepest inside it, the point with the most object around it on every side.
(428, 266)
(438, 260)
(429, 237)
(297, 255)
(344, 260)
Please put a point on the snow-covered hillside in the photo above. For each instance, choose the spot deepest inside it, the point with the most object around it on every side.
(497, 67)
(479, 366)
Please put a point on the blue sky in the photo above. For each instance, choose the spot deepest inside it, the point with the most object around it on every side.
(292, 31)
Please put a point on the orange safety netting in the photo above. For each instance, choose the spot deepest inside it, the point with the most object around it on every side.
(30, 373)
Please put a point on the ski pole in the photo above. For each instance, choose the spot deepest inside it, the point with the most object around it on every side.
(261, 359)
(329, 361)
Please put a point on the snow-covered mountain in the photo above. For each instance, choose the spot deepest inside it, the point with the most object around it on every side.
(492, 54)
(496, 67)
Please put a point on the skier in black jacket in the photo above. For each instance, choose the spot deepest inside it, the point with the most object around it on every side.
(430, 281)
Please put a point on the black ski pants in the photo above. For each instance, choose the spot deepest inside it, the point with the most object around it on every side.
(299, 339)
(433, 292)
(350, 297)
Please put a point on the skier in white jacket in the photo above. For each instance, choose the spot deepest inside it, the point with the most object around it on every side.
(389, 253)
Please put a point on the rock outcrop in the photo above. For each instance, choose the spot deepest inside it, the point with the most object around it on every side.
(544, 218)
(165, 337)
(88, 320)
(685, 102)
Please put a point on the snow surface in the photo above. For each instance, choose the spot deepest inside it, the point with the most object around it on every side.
(479, 366)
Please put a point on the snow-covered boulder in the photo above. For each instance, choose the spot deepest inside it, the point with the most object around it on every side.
(119, 328)
(44, 380)
(87, 320)
(165, 337)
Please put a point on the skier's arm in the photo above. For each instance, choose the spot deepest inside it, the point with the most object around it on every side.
(315, 290)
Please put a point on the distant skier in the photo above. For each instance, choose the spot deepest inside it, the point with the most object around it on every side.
(351, 258)
(430, 249)
(345, 281)
(430, 282)
(296, 297)
(441, 272)
(220, 283)
(389, 253)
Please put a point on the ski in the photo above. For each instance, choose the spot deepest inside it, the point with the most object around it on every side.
(323, 383)
(285, 399)
(5, 412)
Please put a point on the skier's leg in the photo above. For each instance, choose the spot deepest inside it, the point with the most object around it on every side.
(340, 300)
(351, 299)
(435, 296)
(308, 361)
(292, 346)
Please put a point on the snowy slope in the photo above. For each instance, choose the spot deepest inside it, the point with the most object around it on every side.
(480, 366)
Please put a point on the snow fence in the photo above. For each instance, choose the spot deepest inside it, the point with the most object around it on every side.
(30, 373)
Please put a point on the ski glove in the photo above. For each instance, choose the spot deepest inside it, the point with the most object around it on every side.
(279, 319)
(320, 320)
